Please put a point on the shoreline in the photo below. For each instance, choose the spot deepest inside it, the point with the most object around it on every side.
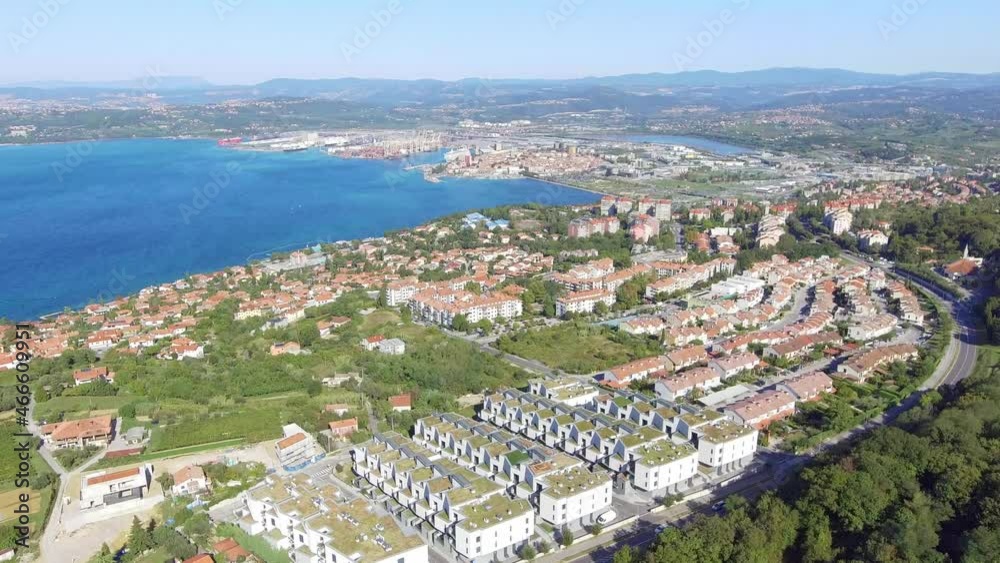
(297, 246)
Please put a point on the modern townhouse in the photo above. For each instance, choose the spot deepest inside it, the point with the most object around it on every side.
(624, 375)
(801, 345)
(861, 366)
(731, 366)
(574, 497)
(723, 446)
(761, 409)
(664, 467)
(673, 387)
(872, 328)
(449, 502)
(566, 390)
(687, 357)
(317, 524)
(808, 386)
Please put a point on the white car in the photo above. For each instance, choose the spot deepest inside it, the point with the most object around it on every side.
(607, 517)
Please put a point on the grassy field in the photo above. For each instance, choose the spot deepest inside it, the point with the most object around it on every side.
(987, 362)
(71, 408)
(253, 425)
(165, 454)
(579, 347)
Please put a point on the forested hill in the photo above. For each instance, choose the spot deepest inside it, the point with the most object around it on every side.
(927, 490)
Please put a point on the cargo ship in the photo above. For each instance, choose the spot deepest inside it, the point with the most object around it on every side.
(230, 141)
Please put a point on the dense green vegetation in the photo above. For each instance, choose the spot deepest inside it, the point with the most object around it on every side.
(241, 392)
(926, 490)
(579, 347)
(70, 458)
(947, 229)
(925, 273)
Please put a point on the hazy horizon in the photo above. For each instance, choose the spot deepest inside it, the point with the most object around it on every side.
(239, 42)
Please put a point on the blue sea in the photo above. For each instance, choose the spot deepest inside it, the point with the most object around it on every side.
(88, 221)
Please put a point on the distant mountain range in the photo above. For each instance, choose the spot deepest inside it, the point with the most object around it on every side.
(786, 77)
(726, 90)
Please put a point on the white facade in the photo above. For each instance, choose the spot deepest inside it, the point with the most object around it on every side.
(664, 465)
(557, 509)
(724, 444)
(478, 540)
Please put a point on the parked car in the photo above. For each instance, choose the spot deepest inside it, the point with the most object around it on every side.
(719, 506)
(607, 517)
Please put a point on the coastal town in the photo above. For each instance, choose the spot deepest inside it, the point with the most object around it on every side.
(496, 385)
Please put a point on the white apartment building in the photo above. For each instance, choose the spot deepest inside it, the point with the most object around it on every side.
(318, 525)
(297, 449)
(494, 529)
(839, 221)
(584, 301)
(663, 465)
(725, 446)
(575, 496)
(566, 390)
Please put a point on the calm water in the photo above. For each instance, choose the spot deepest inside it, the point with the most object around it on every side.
(698, 143)
(87, 221)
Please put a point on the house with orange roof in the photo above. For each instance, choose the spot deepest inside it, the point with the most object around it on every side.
(297, 449)
(96, 431)
(114, 486)
(230, 550)
(189, 480)
(401, 403)
(344, 428)
(92, 374)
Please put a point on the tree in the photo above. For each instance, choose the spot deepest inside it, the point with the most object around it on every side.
(127, 411)
(625, 555)
(166, 481)
(460, 323)
(565, 536)
(544, 547)
(549, 308)
(596, 528)
(383, 298)
(528, 552)
(104, 555)
(198, 528)
(139, 539)
(527, 299)
(601, 309)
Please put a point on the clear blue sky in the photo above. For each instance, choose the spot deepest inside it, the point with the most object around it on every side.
(260, 39)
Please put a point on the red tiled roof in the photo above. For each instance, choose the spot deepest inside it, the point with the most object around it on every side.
(401, 400)
(291, 440)
(118, 475)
